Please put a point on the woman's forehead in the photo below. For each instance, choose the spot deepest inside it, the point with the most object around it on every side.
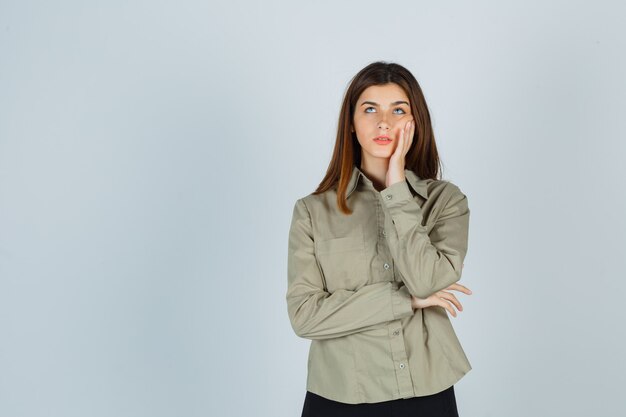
(383, 94)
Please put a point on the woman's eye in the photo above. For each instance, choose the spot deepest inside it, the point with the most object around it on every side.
(367, 108)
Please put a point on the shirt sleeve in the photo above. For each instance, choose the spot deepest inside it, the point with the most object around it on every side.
(427, 262)
(316, 314)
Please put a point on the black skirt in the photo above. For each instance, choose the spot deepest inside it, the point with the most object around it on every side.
(441, 404)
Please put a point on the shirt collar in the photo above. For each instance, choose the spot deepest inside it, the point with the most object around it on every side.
(419, 185)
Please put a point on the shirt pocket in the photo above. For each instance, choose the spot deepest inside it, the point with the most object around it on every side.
(342, 260)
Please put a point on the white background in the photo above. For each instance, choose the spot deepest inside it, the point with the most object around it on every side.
(151, 153)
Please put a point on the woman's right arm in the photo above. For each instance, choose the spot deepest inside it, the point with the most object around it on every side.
(317, 314)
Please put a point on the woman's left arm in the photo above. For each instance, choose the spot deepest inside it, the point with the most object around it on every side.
(427, 262)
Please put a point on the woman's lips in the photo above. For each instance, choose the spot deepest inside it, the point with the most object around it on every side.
(381, 141)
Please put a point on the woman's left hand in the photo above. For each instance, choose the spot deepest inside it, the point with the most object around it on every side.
(443, 299)
(395, 171)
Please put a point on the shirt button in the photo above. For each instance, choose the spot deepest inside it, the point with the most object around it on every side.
(397, 332)
(388, 196)
(401, 366)
(384, 233)
(386, 266)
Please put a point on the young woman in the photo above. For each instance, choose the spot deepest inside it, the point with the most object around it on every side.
(373, 254)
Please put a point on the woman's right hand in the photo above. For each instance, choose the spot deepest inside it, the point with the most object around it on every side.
(442, 298)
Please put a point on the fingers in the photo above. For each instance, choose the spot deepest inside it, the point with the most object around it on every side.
(458, 287)
(446, 299)
(441, 302)
(411, 132)
(408, 130)
(451, 297)
(399, 152)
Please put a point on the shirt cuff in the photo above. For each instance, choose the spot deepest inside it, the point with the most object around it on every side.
(396, 194)
(405, 212)
(401, 302)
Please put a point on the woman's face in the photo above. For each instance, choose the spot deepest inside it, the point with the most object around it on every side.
(381, 110)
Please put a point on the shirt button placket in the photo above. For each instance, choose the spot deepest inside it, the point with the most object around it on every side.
(399, 356)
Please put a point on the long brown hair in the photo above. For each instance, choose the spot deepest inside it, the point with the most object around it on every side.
(422, 158)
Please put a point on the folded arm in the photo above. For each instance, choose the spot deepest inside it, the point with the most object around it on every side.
(315, 313)
(427, 262)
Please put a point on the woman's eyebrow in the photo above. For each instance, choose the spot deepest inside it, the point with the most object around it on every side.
(393, 104)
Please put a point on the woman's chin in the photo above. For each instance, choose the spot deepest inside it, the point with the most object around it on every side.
(382, 153)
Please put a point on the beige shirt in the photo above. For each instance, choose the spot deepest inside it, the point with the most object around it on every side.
(350, 280)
